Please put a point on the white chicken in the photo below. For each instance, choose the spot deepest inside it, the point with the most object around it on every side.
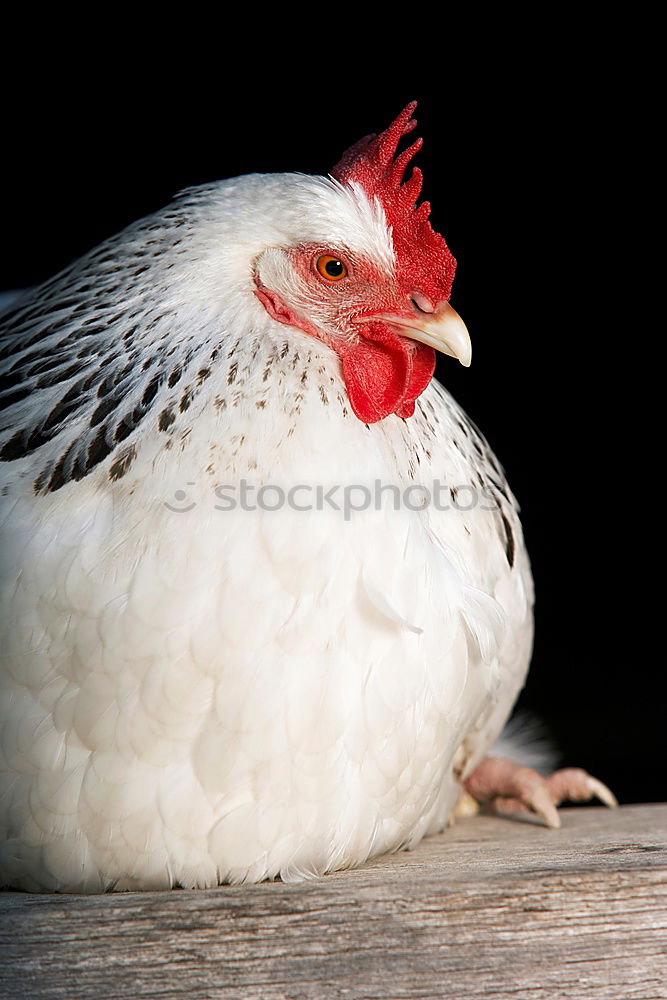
(265, 598)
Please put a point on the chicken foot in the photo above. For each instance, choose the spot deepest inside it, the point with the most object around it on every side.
(508, 787)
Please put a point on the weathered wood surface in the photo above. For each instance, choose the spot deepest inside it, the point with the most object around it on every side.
(492, 908)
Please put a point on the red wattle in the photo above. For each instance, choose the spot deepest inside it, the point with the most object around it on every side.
(384, 374)
(423, 366)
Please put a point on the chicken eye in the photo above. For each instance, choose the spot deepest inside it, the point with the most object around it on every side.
(331, 268)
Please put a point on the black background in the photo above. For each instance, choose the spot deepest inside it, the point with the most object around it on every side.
(536, 192)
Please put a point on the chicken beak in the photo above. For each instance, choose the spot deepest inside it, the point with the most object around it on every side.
(443, 330)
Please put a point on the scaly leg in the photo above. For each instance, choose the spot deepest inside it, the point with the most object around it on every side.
(510, 787)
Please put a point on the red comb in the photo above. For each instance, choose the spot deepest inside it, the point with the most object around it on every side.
(424, 258)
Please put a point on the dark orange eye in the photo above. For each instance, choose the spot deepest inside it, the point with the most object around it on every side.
(331, 268)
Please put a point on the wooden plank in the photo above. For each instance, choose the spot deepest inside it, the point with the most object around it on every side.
(492, 908)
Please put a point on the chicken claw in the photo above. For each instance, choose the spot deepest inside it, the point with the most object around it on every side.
(509, 787)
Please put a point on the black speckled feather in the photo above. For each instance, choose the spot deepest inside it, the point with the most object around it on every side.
(83, 359)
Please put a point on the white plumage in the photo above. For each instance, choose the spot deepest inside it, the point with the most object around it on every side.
(192, 694)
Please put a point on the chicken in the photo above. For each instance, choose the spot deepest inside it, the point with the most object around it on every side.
(265, 598)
